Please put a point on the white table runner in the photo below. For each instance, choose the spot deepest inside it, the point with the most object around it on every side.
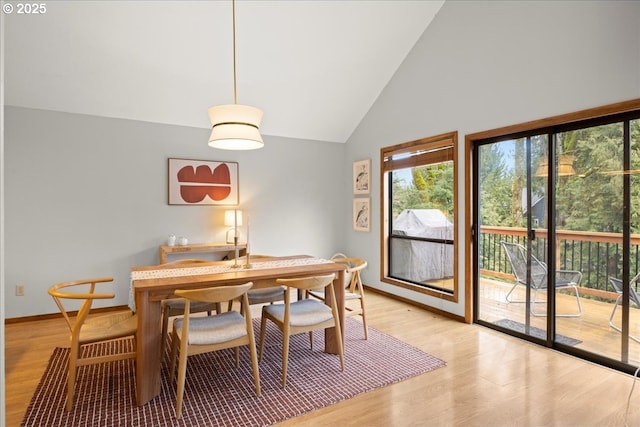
(217, 269)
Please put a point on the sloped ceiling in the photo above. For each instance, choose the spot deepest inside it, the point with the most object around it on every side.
(313, 67)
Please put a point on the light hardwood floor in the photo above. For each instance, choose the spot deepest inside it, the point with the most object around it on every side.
(490, 379)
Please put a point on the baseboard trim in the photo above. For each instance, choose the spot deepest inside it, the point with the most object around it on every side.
(416, 304)
(55, 315)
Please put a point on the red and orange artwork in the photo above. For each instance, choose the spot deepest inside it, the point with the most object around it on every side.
(202, 182)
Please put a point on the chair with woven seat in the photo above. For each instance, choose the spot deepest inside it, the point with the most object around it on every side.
(633, 298)
(175, 306)
(88, 330)
(354, 288)
(196, 334)
(305, 315)
(564, 279)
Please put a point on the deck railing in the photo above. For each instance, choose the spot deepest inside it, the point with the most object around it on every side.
(597, 255)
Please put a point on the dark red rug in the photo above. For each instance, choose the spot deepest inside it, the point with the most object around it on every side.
(217, 393)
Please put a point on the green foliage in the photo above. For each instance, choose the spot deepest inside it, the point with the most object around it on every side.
(431, 187)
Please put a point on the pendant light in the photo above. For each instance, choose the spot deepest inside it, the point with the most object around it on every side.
(235, 126)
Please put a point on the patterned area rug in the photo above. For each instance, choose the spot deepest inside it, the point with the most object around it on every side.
(218, 394)
(535, 332)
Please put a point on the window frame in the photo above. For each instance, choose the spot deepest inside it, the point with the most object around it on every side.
(443, 141)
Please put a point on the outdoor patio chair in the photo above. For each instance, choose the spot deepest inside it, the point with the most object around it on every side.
(565, 279)
(633, 297)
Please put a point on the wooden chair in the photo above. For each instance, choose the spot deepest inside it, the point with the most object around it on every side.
(86, 330)
(175, 306)
(196, 335)
(354, 288)
(305, 315)
(262, 295)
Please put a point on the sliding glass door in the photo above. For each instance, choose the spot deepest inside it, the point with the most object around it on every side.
(556, 223)
(511, 214)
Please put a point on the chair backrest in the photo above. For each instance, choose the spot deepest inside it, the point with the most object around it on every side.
(340, 257)
(633, 295)
(517, 256)
(59, 295)
(214, 294)
(354, 266)
(307, 283)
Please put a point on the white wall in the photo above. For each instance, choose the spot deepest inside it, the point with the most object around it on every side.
(486, 64)
(87, 197)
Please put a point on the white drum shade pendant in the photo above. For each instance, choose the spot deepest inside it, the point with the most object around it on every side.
(234, 126)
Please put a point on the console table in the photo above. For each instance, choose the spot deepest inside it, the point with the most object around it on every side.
(212, 248)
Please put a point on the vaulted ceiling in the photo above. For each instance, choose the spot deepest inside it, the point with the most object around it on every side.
(314, 67)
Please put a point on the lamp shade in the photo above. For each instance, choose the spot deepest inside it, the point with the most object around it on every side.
(229, 218)
(565, 166)
(235, 127)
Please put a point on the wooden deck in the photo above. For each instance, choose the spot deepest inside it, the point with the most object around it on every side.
(592, 327)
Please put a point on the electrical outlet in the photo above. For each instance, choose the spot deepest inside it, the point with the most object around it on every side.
(19, 290)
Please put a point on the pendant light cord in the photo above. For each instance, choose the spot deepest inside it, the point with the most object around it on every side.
(235, 73)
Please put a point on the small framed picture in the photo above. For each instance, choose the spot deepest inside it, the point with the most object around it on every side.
(362, 214)
(362, 176)
(203, 182)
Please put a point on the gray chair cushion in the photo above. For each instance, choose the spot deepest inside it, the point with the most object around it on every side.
(214, 329)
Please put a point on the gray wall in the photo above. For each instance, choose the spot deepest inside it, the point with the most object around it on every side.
(87, 197)
(482, 65)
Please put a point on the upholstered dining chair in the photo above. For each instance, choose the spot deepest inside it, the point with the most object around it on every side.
(198, 334)
(87, 330)
(175, 306)
(266, 295)
(305, 315)
(354, 289)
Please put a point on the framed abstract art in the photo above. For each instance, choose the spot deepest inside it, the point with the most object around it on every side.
(203, 182)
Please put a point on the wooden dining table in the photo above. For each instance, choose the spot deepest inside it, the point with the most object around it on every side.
(152, 284)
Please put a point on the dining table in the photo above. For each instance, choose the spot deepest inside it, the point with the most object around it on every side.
(150, 285)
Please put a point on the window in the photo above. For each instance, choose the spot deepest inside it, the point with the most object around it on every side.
(419, 215)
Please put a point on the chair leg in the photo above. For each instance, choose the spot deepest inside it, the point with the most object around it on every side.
(236, 351)
(615, 306)
(285, 356)
(364, 318)
(74, 352)
(509, 294)
(311, 340)
(174, 353)
(578, 314)
(263, 324)
(613, 312)
(254, 365)
(182, 373)
(339, 344)
(165, 331)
